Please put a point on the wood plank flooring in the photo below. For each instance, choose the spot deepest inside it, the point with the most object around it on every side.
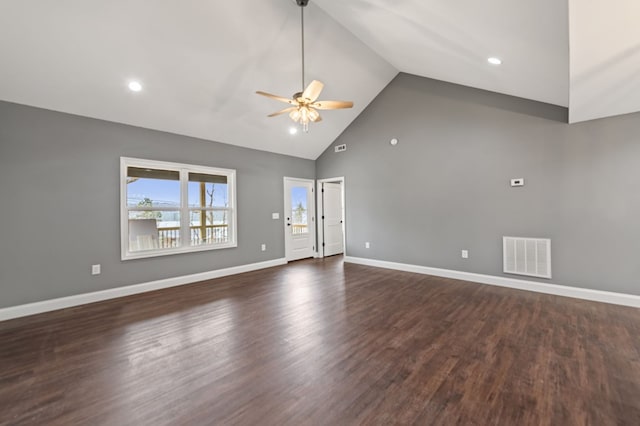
(321, 343)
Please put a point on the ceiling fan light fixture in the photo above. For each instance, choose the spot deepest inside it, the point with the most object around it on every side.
(295, 115)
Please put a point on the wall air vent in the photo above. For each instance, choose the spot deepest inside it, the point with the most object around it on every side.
(340, 148)
(527, 256)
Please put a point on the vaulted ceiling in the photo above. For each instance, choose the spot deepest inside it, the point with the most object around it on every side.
(201, 61)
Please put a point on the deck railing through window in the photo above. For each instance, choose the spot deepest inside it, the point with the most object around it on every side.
(298, 229)
(169, 237)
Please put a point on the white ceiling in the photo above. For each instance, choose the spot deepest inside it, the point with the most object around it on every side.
(201, 61)
(605, 58)
(451, 41)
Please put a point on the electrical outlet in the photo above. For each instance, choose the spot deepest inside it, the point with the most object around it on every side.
(264, 247)
(517, 182)
(367, 245)
(465, 254)
(95, 269)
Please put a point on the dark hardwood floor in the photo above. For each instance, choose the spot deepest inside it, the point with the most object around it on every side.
(320, 343)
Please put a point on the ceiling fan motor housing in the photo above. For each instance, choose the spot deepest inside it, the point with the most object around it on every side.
(302, 3)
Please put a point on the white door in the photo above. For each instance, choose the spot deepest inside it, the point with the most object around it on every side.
(299, 223)
(332, 218)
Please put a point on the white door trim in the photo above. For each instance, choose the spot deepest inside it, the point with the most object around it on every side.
(311, 208)
(320, 209)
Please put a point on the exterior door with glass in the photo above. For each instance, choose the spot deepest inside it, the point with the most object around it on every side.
(299, 218)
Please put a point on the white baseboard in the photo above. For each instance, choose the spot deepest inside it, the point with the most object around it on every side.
(112, 293)
(556, 289)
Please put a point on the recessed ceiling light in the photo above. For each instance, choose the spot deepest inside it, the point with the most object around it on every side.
(135, 86)
(293, 130)
(494, 61)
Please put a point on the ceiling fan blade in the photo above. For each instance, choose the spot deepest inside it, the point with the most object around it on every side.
(313, 90)
(277, 98)
(284, 111)
(332, 104)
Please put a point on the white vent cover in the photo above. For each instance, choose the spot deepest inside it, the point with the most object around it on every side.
(527, 256)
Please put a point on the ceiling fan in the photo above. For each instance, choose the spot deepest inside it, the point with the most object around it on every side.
(305, 104)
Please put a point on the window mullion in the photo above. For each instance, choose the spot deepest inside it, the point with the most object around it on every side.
(185, 241)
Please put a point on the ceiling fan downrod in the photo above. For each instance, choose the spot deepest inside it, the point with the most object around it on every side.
(302, 4)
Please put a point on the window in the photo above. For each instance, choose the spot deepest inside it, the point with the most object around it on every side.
(169, 208)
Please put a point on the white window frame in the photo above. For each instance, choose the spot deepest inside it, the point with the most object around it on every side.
(185, 232)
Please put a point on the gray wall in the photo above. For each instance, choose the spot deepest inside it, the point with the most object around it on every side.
(445, 186)
(59, 203)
